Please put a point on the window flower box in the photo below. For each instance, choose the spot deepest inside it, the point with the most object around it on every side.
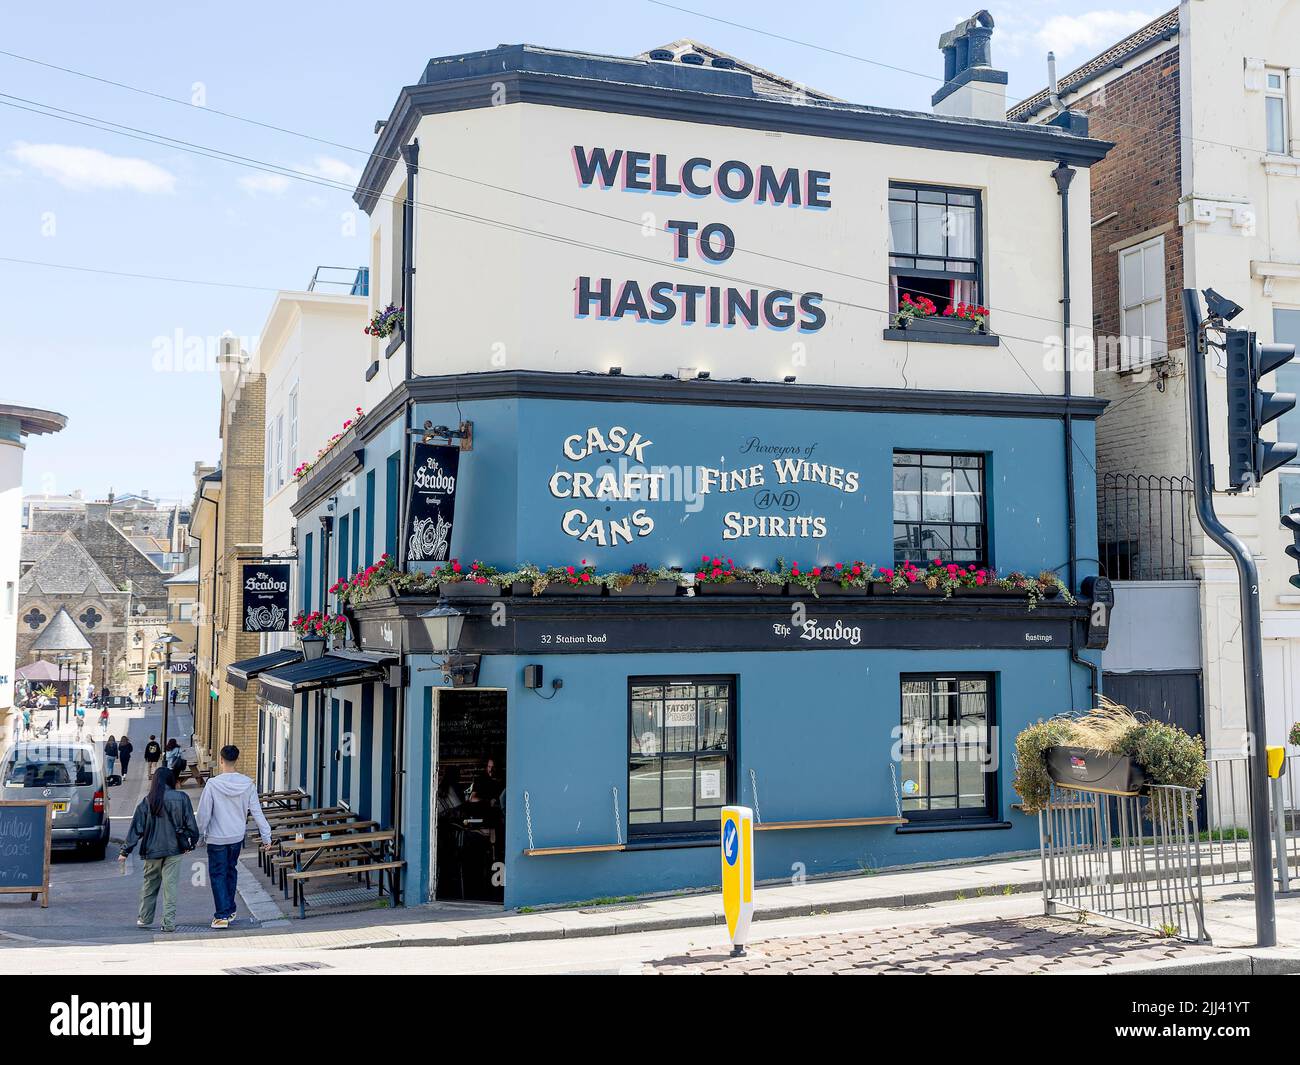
(647, 590)
(824, 589)
(557, 588)
(471, 590)
(739, 587)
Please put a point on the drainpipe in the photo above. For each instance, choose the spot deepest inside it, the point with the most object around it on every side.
(411, 155)
(212, 663)
(1063, 175)
(194, 676)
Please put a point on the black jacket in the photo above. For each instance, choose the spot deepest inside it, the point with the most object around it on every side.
(110, 749)
(152, 751)
(157, 836)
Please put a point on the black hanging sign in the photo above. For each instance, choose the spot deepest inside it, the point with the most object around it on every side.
(266, 597)
(431, 503)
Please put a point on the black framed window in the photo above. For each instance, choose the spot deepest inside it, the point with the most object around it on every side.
(935, 244)
(947, 722)
(940, 508)
(682, 756)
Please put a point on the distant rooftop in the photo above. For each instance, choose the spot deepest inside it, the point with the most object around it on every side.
(1114, 57)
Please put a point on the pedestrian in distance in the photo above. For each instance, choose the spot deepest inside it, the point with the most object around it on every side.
(103, 721)
(174, 760)
(81, 720)
(175, 692)
(103, 693)
(228, 799)
(153, 694)
(110, 755)
(165, 828)
(139, 693)
(152, 753)
(124, 749)
(27, 721)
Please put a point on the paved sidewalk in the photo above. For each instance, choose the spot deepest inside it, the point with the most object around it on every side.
(1005, 947)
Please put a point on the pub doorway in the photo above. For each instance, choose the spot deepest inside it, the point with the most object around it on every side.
(469, 796)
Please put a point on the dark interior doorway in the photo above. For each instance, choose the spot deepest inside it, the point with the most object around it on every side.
(469, 803)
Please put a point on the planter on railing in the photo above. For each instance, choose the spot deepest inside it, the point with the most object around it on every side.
(1087, 770)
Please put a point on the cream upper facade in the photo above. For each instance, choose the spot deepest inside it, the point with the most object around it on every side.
(312, 347)
(530, 219)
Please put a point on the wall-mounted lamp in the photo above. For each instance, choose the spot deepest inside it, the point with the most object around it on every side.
(616, 371)
(703, 375)
(788, 380)
(444, 625)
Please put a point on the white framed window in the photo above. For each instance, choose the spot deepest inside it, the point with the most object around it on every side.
(1275, 116)
(293, 427)
(279, 450)
(1143, 337)
(270, 460)
(11, 599)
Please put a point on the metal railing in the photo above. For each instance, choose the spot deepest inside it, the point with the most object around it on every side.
(1144, 527)
(1134, 859)
(356, 279)
(1225, 817)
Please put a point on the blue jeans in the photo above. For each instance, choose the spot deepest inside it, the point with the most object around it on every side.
(223, 872)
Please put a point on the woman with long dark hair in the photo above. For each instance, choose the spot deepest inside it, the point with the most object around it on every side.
(165, 828)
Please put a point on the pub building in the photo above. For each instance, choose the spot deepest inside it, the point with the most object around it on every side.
(669, 311)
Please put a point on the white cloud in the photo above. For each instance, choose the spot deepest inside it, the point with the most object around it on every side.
(75, 167)
(334, 170)
(274, 184)
(323, 166)
(1077, 36)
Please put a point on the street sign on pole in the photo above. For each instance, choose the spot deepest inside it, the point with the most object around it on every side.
(737, 841)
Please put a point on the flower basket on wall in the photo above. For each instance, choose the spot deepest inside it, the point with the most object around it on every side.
(1083, 769)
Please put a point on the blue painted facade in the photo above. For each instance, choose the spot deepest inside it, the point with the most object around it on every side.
(815, 727)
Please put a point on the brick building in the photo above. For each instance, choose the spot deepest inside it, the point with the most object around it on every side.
(226, 530)
(1199, 192)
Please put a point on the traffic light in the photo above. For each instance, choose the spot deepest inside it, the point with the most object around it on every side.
(1292, 521)
(1250, 408)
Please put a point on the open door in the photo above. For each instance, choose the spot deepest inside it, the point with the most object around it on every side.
(469, 800)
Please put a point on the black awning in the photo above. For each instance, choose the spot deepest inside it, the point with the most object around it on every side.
(279, 686)
(240, 673)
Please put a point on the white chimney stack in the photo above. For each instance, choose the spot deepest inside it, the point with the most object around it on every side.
(971, 88)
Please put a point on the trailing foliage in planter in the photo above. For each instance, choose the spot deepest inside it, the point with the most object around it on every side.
(365, 582)
(1166, 753)
(821, 578)
(714, 570)
(320, 623)
(1294, 735)
(641, 578)
(454, 572)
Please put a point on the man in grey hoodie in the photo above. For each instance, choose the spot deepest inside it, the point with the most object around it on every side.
(227, 801)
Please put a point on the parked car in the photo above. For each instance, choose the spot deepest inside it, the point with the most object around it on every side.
(71, 776)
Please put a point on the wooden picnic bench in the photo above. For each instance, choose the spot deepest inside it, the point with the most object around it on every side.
(319, 826)
(291, 799)
(347, 854)
(280, 837)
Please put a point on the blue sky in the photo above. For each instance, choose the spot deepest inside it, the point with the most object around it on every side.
(98, 347)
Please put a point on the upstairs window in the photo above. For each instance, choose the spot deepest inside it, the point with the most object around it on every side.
(1143, 337)
(269, 475)
(1275, 116)
(939, 509)
(293, 428)
(935, 245)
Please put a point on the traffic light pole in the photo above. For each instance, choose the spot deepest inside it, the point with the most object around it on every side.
(1261, 858)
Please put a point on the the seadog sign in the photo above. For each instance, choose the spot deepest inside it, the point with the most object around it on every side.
(266, 597)
(431, 507)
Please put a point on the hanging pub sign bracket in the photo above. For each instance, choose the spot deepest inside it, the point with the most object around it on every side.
(430, 433)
